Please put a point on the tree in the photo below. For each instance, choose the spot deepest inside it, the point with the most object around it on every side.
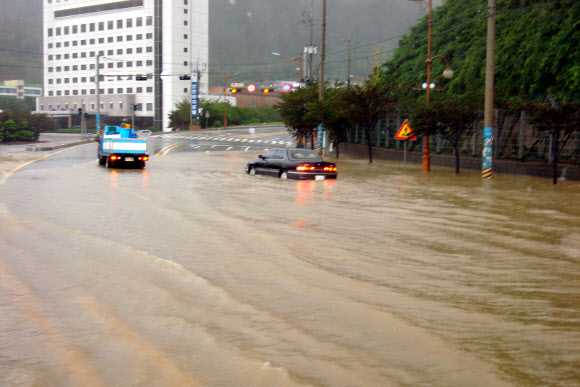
(367, 105)
(558, 119)
(179, 118)
(450, 117)
(300, 111)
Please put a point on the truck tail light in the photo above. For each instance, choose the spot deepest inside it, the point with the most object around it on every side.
(113, 157)
(144, 158)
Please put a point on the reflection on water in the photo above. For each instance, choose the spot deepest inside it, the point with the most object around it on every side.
(382, 277)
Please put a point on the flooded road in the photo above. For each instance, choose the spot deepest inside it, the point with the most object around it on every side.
(192, 273)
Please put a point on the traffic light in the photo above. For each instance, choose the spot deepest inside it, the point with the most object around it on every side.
(266, 90)
(184, 77)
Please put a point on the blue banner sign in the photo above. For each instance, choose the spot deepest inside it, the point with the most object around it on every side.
(487, 156)
(194, 95)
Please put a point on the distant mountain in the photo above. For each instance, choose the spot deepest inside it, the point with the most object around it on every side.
(243, 35)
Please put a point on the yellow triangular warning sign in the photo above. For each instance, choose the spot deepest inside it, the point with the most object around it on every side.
(405, 132)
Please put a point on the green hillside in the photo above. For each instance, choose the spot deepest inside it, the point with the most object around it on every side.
(537, 48)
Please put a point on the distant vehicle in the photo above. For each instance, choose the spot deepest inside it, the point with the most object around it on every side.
(121, 145)
(292, 163)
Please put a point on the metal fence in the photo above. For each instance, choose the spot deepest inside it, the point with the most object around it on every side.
(515, 139)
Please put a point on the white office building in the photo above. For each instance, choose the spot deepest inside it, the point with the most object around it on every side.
(135, 50)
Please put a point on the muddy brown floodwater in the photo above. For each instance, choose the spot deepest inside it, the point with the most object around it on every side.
(193, 273)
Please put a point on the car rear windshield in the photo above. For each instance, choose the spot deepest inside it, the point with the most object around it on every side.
(304, 154)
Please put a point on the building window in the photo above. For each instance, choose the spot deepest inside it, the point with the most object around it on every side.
(139, 50)
(129, 90)
(149, 49)
(129, 64)
(121, 105)
(65, 44)
(75, 43)
(149, 20)
(185, 90)
(111, 105)
(58, 93)
(150, 90)
(83, 28)
(149, 36)
(119, 65)
(101, 26)
(110, 25)
(57, 45)
(120, 23)
(50, 81)
(50, 69)
(111, 91)
(102, 53)
(185, 49)
(92, 79)
(185, 10)
(50, 94)
(92, 27)
(110, 65)
(66, 56)
(129, 51)
(67, 92)
(185, 63)
(119, 38)
(75, 80)
(83, 79)
(184, 36)
(185, 23)
(101, 40)
(120, 90)
(49, 32)
(66, 80)
(58, 69)
(119, 51)
(139, 63)
(58, 57)
(110, 52)
(49, 45)
(139, 21)
(75, 92)
(149, 63)
(110, 39)
(83, 42)
(84, 92)
(129, 23)
(139, 90)
(139, 37)
(58, 81)
(185, 2)
(149, 107)
(75, 29)
(66, 30)
(83, 67)
(57, 31)
(75, 68)
(129, 38)
(91, 41)
(50, 57)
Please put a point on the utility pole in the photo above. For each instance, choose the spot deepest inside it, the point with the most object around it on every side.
(98, 94)
(321, 144)
(488, 116)
(348, 75)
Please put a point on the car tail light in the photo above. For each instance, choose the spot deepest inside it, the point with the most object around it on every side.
(330, 169)
(304, 168)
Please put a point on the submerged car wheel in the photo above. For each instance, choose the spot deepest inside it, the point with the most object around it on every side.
(283, 175)
(252, 171)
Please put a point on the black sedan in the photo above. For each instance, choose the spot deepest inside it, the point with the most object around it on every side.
(292, 163)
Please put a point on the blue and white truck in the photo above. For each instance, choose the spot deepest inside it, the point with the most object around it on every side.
(120, 145)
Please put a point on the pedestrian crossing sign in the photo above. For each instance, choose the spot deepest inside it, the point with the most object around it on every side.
(405, 132)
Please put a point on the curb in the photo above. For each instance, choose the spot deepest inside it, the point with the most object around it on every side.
(40, 148)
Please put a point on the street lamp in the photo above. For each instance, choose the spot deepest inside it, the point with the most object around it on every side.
(448, 73)
(292, 59)
(226, 77)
